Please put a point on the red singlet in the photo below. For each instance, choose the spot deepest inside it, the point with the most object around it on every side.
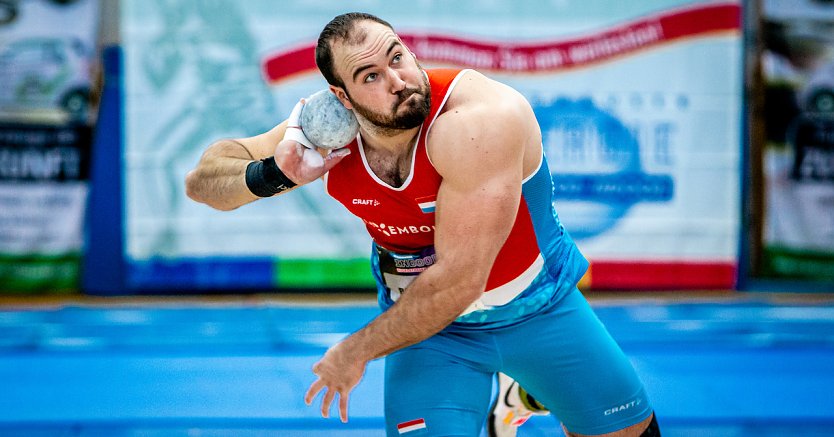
(401, 219)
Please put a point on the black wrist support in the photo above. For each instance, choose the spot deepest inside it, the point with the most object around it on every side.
(265, 179)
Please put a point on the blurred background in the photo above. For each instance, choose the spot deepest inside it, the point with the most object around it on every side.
(691, 143)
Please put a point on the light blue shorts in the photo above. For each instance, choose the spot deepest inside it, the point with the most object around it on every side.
(562, 355)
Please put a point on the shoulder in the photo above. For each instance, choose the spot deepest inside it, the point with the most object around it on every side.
(482, 116)
(474, 90)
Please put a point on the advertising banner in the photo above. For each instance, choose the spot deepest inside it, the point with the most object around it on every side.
(46, 51)
(639, 104)
(798, 70)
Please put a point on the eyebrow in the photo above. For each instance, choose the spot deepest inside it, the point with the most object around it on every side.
(359, 70)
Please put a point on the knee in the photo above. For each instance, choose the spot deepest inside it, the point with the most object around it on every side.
(653, 430)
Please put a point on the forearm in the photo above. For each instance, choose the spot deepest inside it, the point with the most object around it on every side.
(429, 304)
(219, 179)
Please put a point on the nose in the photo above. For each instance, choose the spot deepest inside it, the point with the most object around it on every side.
(397, 83)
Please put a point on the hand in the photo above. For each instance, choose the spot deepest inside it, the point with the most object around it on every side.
(337, 373)
(298, 158)
(303, 165)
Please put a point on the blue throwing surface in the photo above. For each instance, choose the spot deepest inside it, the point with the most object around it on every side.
(743, 368)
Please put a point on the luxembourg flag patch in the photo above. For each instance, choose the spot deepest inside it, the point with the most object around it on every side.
(427, 203)
(411, 425)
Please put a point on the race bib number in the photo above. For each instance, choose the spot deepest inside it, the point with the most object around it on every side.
(398, 270)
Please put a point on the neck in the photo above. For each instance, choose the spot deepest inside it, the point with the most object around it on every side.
(394, 141)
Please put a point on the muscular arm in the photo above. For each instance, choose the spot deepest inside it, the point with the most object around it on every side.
(476, 209)
(475, 212)
(480, 155)
(219, 178)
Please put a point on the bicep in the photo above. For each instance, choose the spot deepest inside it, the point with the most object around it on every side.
(478, 199)
(473, 222)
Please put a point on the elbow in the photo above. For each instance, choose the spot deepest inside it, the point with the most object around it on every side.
(222, 207)
(472, 292)
(194, 189)
(192, 186)
(469, 288)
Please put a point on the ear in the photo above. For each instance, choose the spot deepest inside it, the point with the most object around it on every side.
(341, 95)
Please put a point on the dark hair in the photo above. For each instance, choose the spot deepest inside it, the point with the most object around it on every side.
(338, 29)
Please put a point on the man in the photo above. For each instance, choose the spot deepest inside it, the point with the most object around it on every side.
(475, 273)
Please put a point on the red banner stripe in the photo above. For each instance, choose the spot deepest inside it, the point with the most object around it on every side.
(541, 56)
(282, 65)
(650, 275)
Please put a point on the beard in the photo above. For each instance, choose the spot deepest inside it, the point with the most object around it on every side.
(404, 115)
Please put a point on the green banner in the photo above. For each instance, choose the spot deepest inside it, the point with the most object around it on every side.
(326, 273)
(26, 274)
(780, 262)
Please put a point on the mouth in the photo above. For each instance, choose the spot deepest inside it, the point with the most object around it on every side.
(408, 99)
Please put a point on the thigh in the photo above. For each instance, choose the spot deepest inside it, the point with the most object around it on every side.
(569, 362)
(431, 393)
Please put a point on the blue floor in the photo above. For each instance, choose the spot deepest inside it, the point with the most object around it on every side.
(744, 368)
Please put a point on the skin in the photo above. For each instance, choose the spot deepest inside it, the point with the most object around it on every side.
(483, 144)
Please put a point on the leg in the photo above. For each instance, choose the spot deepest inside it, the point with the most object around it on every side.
(511, 408)
(435, 392)
(567, 360)
(646, 428)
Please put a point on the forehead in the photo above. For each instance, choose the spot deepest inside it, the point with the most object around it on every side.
(368, 41)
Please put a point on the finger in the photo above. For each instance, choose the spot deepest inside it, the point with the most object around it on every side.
(314, 390)
(295, 114)
(338, 153)
(325, 403)
(295, 133)
(335, 157)
(343, 406)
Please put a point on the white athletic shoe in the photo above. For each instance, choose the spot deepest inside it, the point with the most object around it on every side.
(508, 411)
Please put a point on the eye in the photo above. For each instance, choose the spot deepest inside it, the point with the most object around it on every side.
(370, 77)
(397, 58)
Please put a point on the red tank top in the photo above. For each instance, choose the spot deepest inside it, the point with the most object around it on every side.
(401, 219)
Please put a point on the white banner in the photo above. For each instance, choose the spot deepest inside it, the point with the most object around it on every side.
(46, 51)
(639, 103)
(798, 69)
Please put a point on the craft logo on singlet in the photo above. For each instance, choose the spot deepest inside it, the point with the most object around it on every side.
(366, 202)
